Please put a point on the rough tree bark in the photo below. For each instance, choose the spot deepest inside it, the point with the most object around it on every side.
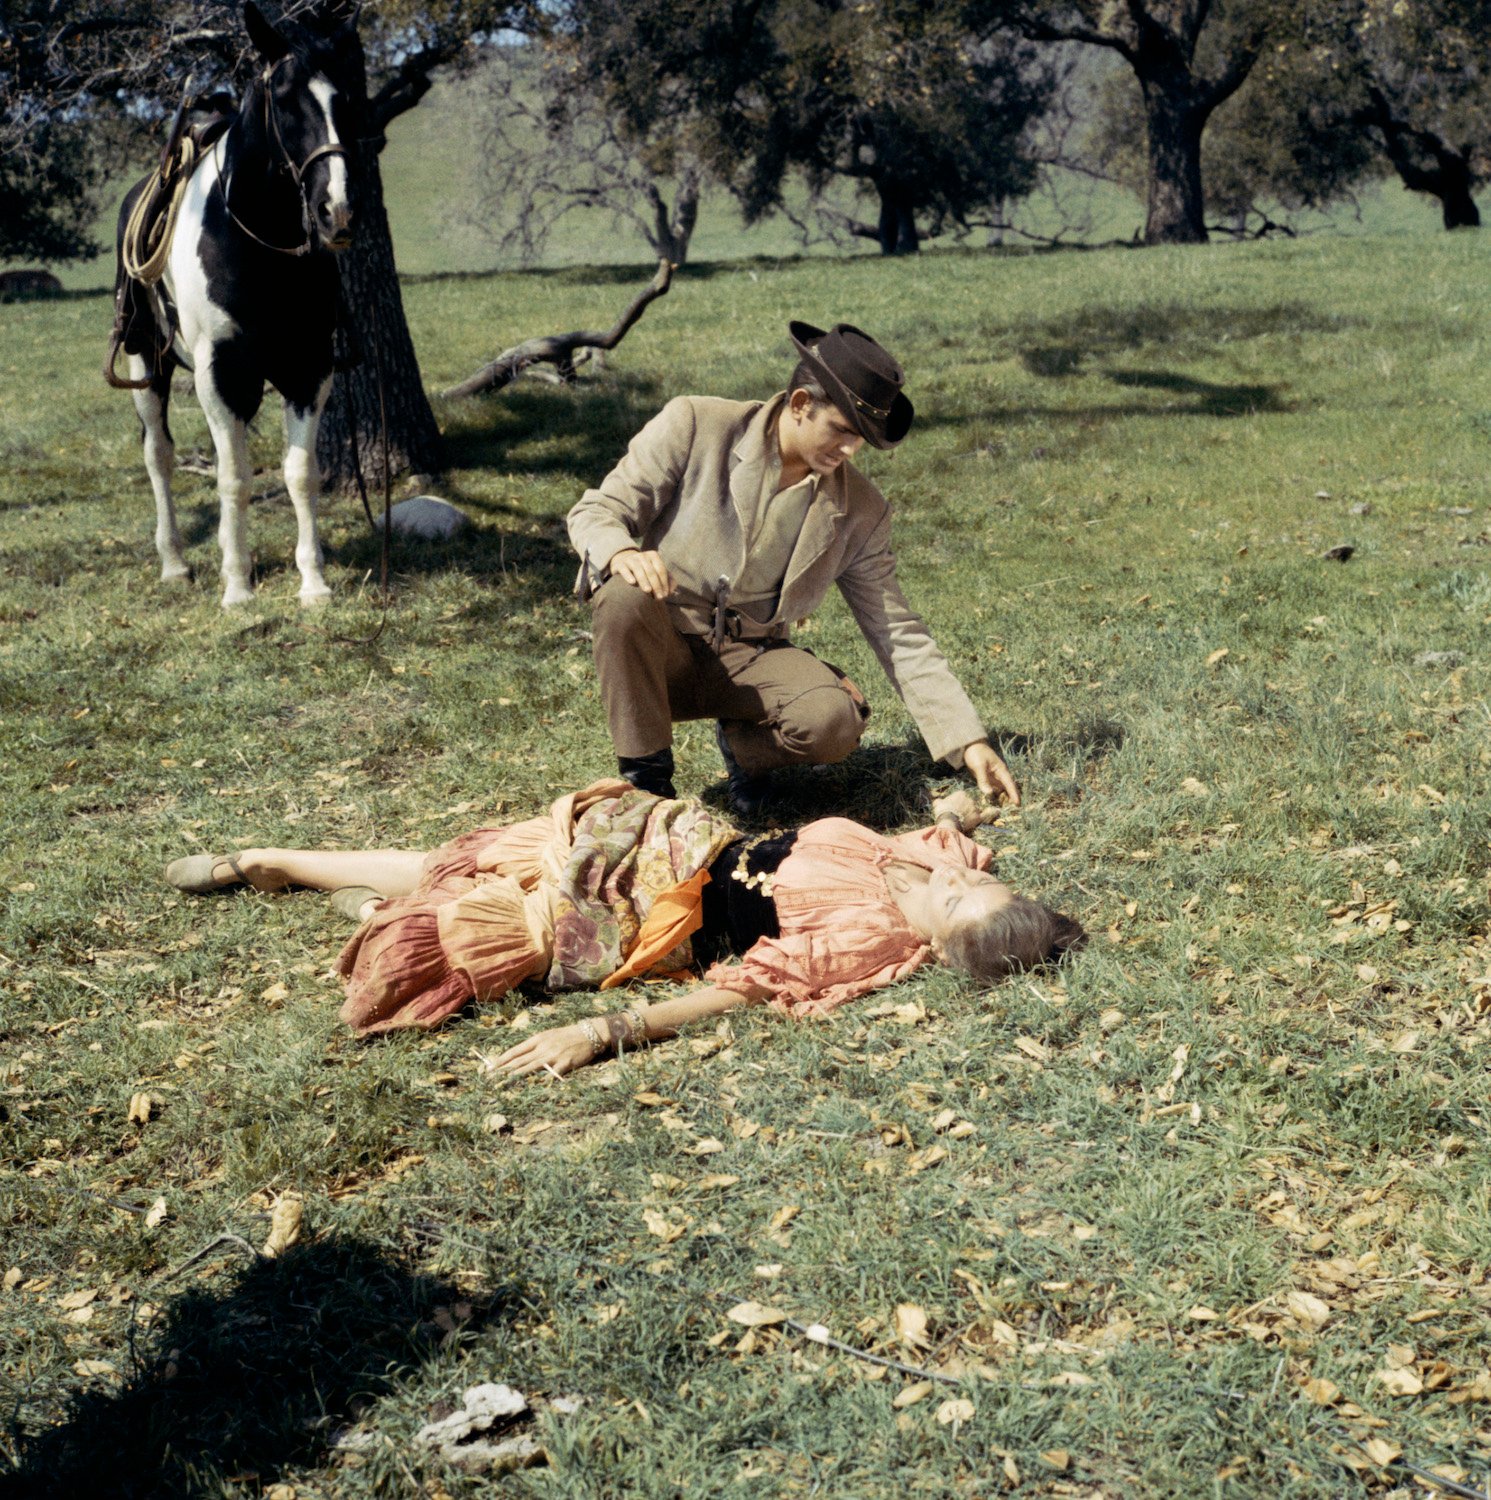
(1426, 163)
(559, 349)
(1175, 204)
(373, 305)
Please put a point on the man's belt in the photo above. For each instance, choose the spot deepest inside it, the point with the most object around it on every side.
(693, 614)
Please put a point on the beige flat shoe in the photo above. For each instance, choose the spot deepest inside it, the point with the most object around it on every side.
(197, 873)
(349, 900)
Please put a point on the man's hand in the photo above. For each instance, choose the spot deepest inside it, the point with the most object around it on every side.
(991, 773)
(643, 570)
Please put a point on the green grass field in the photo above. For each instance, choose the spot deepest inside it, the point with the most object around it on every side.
(1207, 1213)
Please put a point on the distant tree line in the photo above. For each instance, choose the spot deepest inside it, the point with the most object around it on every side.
(892, 120)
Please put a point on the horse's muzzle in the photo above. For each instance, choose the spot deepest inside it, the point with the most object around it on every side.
(334, 225)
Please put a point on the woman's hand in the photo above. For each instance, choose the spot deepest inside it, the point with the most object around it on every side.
(559, 1050)
(960, 805)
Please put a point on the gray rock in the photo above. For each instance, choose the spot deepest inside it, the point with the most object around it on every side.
(425, 518)
(1439, 659)
(1362, 508)
(1338, 553)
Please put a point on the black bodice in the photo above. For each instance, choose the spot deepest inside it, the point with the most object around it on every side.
(736, 915)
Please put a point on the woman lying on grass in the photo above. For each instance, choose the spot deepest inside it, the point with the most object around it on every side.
(615, 883)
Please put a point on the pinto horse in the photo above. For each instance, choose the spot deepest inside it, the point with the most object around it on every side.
(250, 291)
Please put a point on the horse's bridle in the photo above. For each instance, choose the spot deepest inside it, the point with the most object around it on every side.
(272, 126)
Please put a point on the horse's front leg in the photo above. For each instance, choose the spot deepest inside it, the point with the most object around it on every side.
(160, 464)
(234, 481)
(303, 480)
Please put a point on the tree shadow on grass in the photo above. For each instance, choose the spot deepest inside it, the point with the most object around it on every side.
(239, 1384)
(527, 430)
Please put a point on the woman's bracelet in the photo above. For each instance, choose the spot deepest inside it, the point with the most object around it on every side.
(636, 1028)
(597, 1046)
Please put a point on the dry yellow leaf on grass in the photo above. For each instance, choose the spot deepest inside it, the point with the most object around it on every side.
(1218, 655)
(1058, 1458)
(719, 1180)
(1321, 1391)
(157, 1214)
(1382, 1452)
(275, 993)
(707, 1147)
(784, 1216)
(957, 1409)
(1191, 787)
(12, 1278)
(1202, 1315)
(94, 1367)
(660, 1226)
(911, 1324)
(1308, 1309)
(75, 1300)
(284, 1224)
(909, 1395)
(141, 1108)
(1401, 1382)
(756, 1315)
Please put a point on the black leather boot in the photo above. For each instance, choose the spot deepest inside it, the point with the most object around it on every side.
(649, 773)
(749, 796)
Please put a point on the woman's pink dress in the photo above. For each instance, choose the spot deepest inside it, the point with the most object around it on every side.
(563, 898)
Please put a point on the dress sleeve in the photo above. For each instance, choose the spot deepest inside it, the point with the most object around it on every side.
(812, 973)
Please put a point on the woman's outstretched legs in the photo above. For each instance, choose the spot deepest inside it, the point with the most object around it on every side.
(390, 872)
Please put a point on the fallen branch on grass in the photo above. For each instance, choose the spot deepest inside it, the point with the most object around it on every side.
(559, 349)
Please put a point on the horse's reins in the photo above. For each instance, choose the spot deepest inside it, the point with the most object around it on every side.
(272, 126)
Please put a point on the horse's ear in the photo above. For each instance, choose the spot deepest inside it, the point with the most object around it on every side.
(270, 45)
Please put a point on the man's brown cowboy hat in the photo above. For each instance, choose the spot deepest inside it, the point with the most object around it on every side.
(861, 379)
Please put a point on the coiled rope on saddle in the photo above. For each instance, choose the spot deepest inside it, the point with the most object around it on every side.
(145, 244)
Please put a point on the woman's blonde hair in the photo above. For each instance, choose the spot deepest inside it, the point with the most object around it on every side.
(1021, 935)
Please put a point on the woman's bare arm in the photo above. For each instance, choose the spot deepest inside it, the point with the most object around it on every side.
(562, 1049)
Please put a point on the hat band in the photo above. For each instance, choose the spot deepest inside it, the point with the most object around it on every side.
(874, 411)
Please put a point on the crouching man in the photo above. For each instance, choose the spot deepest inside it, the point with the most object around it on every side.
(725, 522)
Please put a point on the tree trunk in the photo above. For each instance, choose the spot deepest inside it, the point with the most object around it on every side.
(897, 228)
(1175, 213)
(1426, 163)
(672, 232)
(374, 306)
(1460, 211)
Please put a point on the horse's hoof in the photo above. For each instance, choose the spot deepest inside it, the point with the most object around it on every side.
(314, 598)
(177, 578)
(234, 597)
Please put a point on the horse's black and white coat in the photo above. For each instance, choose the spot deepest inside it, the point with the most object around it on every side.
(252, 277)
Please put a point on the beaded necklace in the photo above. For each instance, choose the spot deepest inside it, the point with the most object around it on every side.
(762, 879)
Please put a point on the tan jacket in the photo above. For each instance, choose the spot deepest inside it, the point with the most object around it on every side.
(688, 488)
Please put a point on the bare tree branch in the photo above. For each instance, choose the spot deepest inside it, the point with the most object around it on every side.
(558, 349)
